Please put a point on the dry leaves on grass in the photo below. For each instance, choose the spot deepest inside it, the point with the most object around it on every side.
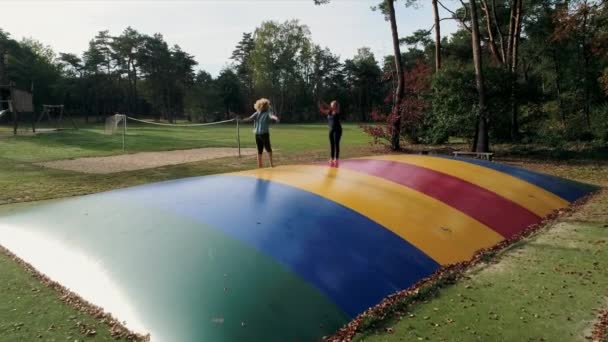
(600, 331)
(117, 329)
(445, 274)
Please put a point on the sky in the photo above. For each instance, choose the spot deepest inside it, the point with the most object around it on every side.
(210, 29)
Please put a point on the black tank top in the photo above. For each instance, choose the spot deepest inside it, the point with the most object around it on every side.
(334, 120)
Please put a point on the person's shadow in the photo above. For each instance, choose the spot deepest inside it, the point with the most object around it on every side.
(261, 190)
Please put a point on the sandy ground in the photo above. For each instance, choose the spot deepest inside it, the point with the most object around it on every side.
(143, 160)
(23, 132)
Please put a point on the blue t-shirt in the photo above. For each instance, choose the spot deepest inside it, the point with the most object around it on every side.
(261, 122)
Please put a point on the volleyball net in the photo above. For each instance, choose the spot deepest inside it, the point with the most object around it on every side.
(225, 133)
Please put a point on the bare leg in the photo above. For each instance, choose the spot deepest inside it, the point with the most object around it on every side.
(260, 161)
(270, 157)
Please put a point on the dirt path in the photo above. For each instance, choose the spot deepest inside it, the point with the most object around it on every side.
(143, 160)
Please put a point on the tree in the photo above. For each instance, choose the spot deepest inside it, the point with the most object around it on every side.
(364, 76)
(229, 91)
(481, 141)
(388, 8)
(181, 76)
(328, 78)
(242, 56)
(71, 64)
(437, 26)
(4, 42)
(415, 104)
(97, 67)
(44, 52)
(582, 22)
(203, 99)
(399, 91)
(153, 56)
(126, 49)
(506, 57)
(3, 39)
(73, 82)
(281, 61)
(514, 39)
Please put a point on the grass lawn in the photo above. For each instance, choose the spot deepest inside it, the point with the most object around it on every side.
(30, 311)
(546, 287)
(90, 141)
(21, 180)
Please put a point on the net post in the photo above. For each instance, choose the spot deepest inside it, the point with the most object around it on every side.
(238, 136)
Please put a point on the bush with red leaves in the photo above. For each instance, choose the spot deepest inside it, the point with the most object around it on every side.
(411, 111)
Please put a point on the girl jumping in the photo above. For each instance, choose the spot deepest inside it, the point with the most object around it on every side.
(335, 129)
(261, 120)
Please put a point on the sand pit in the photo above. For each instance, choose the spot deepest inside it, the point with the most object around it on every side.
(143, 160)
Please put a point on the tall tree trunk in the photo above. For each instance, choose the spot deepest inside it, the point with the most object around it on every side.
(360, 105)
(499, 31)
(586, 61)
(586, 107)
(396, 134)
(558, 87)
(491, 41)
(3, 77)
(482, 139)
(514, 63)
(513, 5)
(516, 34)
(135, 96)
(437, 36)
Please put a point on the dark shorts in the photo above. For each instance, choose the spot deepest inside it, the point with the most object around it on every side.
(263, 142)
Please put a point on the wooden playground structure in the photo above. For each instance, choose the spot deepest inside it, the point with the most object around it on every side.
(16, 102)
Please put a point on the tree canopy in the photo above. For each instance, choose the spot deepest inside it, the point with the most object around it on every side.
(544, 66)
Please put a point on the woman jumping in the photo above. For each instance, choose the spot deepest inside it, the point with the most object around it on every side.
(261, 120)
(335, 129)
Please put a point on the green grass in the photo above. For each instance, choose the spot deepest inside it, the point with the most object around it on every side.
(22, 180)
(91, 142)
(30, 311)
(545, 288)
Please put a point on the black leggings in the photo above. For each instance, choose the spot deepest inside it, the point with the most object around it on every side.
(335, 134)
(262, 141)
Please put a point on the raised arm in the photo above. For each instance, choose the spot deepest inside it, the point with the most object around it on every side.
(271, 114)
(323, 108)
(250, 118)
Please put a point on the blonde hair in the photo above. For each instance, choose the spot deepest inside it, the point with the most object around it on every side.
(262, 105)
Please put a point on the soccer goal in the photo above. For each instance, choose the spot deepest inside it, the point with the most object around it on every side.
(112, 123)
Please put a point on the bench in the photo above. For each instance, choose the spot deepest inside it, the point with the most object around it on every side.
(481, 155)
